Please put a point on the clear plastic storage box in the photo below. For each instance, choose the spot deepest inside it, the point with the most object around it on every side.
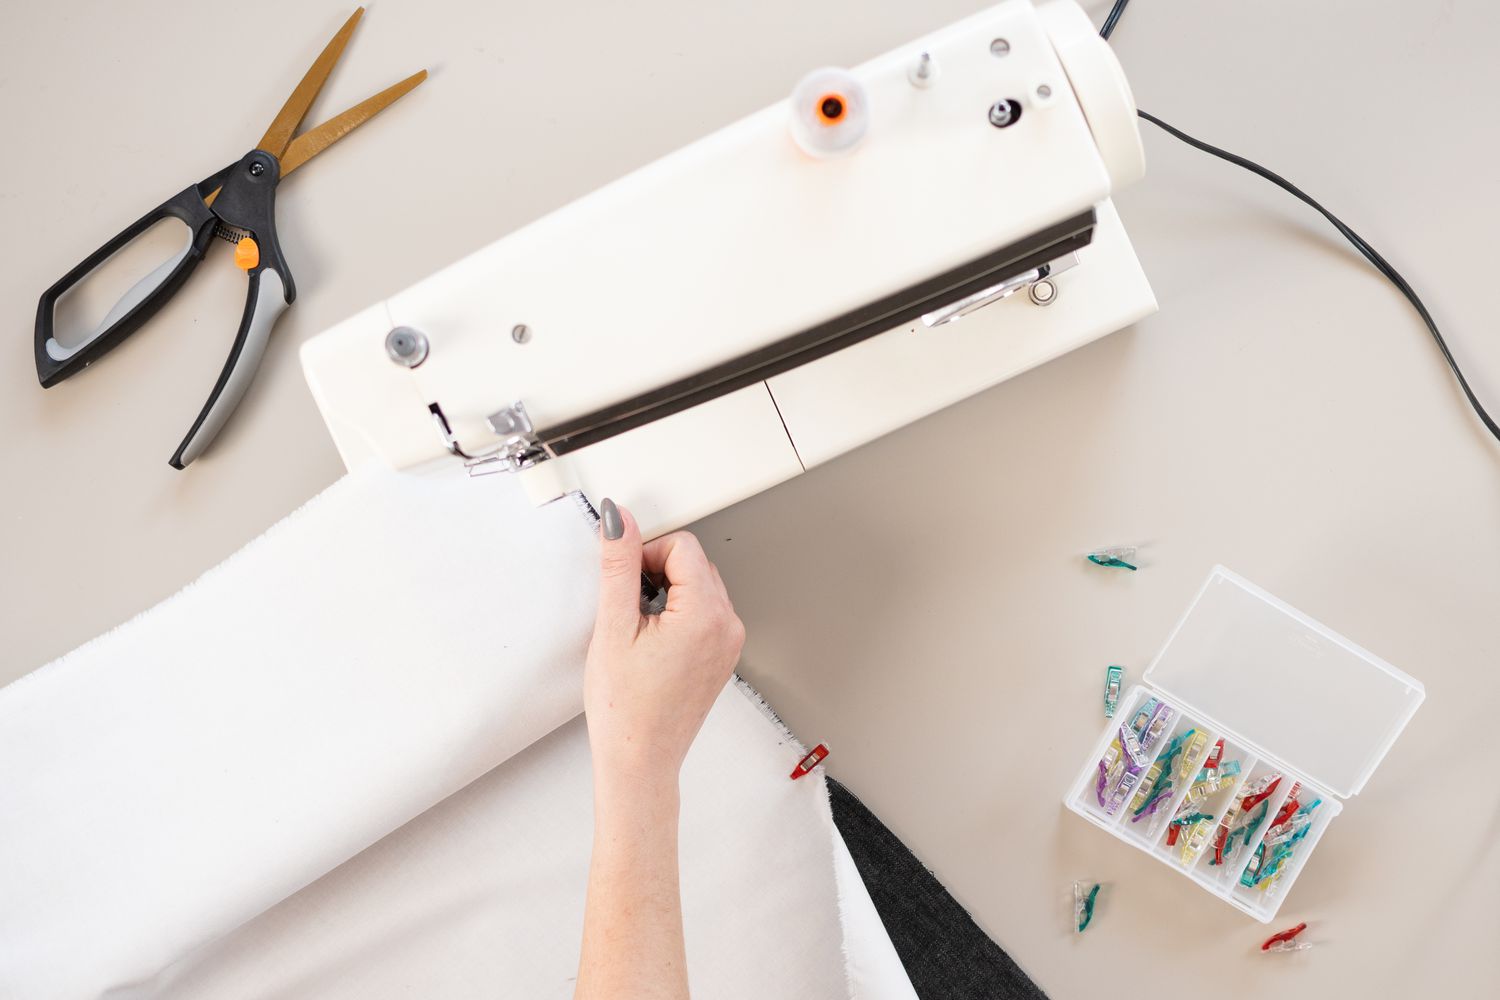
(1289, 698)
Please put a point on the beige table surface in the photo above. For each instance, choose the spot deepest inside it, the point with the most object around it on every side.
(920, 604)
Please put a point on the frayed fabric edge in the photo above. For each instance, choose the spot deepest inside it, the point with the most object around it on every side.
(857, 984)
(759, 701)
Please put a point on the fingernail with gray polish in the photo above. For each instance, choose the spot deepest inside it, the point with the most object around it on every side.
(609, 515)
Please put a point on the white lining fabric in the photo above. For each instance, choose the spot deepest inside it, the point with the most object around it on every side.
(348, 762)
(490, 885)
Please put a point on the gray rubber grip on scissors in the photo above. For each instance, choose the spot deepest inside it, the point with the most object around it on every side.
(137, 293)
(266, 307)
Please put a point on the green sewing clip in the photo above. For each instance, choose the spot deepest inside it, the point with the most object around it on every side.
(1115, 557)
(1158, 780)
(1083, 904)
(1112, 680)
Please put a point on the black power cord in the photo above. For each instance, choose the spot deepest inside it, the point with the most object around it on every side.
(1368, 252)
(1113, 19)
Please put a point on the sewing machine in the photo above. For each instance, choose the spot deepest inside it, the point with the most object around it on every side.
(885, 242)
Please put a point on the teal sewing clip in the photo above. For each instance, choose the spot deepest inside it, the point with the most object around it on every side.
(1112, 680)
(1115, 557)
(1084, 899)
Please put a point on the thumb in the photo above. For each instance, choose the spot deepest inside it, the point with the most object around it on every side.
(619, 569)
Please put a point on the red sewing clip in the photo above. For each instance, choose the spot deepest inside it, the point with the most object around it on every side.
(1213, 756)
(1251, 801)
(1283, 940)
(813, 759)
(1288, 807)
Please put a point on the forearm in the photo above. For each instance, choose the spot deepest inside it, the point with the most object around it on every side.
(632, 924)
(647, 686)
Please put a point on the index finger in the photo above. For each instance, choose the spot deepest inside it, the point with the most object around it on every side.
(680, 559)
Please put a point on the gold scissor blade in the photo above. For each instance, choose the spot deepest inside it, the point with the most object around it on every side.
(311, 143)
(291, 114)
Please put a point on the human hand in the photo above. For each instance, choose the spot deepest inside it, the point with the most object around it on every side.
(650, 680)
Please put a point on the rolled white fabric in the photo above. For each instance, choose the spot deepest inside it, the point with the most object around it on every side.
(373, 653)
(188, 804)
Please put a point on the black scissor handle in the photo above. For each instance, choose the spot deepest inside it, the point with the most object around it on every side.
(269, 295)
(54, 362)
(247, 202)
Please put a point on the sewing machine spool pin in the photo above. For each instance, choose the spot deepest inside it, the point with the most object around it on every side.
(1005, 112)
(830, 112)
(923, 72)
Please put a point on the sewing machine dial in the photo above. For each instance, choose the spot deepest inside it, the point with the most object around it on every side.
(830, 112)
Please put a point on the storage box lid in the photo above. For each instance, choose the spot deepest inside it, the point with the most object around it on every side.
(1295, 689)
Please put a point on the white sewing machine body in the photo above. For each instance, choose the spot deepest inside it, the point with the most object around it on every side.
(741, 310)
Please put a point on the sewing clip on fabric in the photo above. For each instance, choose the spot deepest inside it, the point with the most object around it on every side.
(1115, 557)
(1287, 940)
(814, 757)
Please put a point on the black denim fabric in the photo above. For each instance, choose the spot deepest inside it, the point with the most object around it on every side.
(945, 953)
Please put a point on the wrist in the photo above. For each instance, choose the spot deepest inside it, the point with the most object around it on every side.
(641, 792)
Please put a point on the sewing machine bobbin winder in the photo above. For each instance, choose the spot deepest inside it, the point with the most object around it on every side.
(885, 242)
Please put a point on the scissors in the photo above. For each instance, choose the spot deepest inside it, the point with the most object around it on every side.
(237, 205)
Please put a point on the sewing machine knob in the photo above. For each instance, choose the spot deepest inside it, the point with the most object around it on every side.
(406, 346)
(1042, 292)
(830, 112)
(1005, 112)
